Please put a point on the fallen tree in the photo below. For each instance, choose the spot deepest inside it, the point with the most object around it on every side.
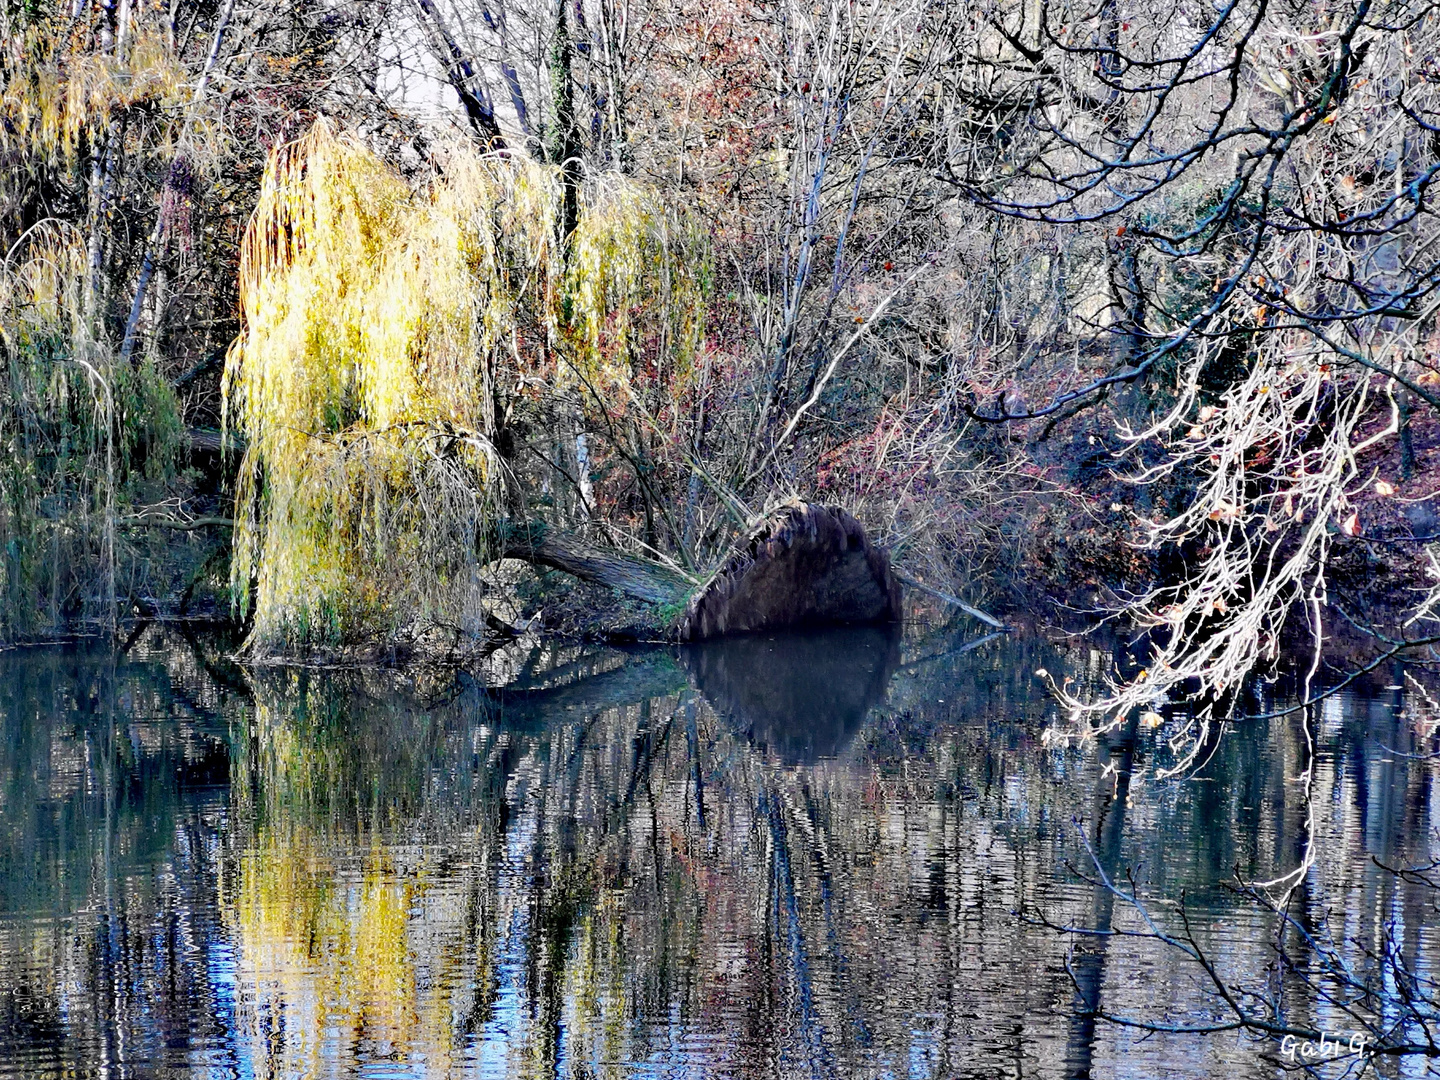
(802, 564)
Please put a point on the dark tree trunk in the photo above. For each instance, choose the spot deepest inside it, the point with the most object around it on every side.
(802, 565)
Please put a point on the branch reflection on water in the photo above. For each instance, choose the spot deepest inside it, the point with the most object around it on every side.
(808, 856)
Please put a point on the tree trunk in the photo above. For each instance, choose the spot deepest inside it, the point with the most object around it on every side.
(640, 579)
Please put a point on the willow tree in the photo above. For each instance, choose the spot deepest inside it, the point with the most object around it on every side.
(55, 427)
(391, 338)
(81, 436)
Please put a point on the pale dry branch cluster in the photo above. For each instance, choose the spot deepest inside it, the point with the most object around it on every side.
(1258, 178)
(1278, 458)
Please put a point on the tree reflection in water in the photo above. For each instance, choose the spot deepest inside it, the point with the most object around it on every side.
(803, 856)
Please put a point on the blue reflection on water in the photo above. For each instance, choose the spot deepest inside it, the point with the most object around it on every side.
(811, 856)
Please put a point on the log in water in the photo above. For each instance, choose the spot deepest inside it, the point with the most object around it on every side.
(800, 565)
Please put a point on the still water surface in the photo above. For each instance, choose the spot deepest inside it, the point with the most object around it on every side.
(813, 856)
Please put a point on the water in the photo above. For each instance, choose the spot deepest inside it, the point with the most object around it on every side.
(825, 856)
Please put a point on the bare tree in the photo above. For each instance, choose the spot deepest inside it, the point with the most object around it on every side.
(1259, 179)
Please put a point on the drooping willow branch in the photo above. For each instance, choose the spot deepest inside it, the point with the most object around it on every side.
(385, 328)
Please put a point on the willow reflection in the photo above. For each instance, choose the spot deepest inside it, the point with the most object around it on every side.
(578, 866)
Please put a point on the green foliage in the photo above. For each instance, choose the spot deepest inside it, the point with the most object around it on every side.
(88, 444)
(82, 437)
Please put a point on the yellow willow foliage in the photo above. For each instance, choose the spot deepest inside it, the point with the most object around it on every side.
(328, 949)
(42, 281)
(71, 420)
(57, 90)
(380, 326)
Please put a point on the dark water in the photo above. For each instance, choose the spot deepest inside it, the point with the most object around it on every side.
(828, 856)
